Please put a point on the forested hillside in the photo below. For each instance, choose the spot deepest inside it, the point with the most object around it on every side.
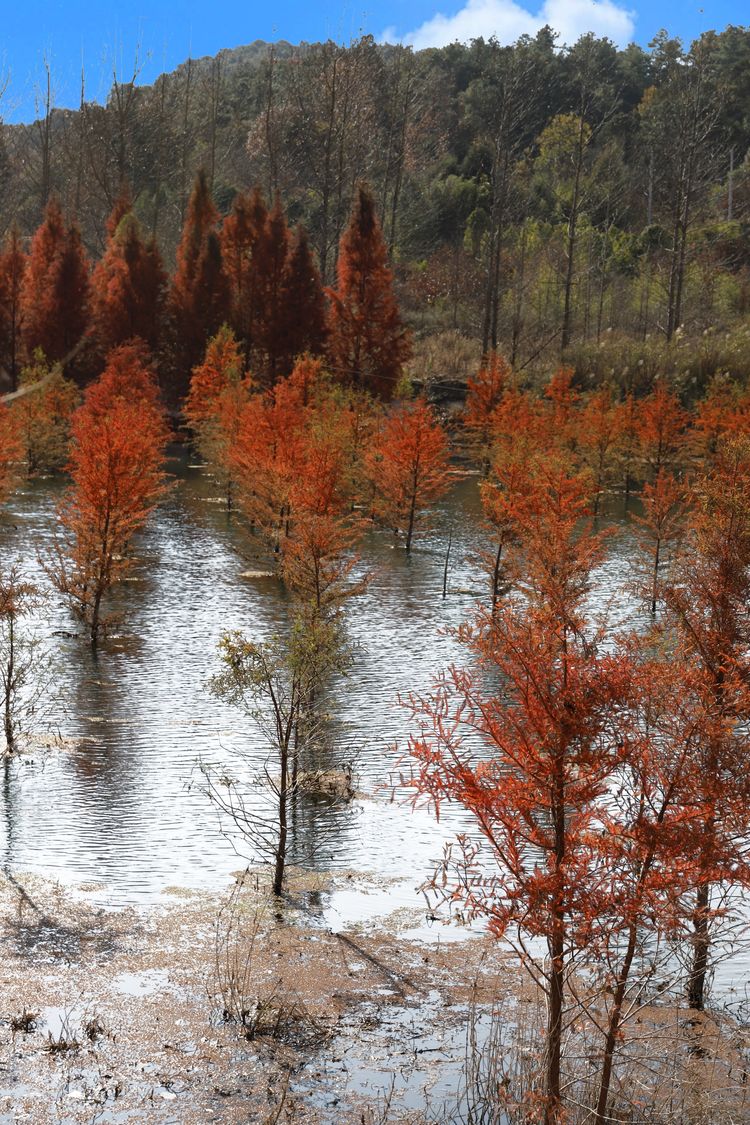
(588, 202)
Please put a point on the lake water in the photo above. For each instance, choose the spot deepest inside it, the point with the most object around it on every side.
(122, 802)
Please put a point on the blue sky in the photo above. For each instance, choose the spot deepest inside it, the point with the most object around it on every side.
(104, 35)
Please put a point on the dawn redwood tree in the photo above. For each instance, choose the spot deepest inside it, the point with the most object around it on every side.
(318, 554)
(267, 456)
(660, 424)
(199, 301)
(659, 531)
(518, 424)
(708, 606)
(484, 392)
(722, 411)
(12, 268)
(368, 344)
(119, 435)
(56, 289)
(562, 411)
(46, 246)
(274, 314)
(239, 235)
(408, 467)
(11, 452)
(598, 435)
(219, 390)
(303, 303)
(647, 846)
(507, 479)
(43, 416)
(555, 733)
(296, 459)
(128, 285)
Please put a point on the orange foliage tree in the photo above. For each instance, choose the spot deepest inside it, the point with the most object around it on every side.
(294, 461)
(267, 456)
(660, 428)
(12, 268)
(218, 393)
(200, 298)
(484, 392)
(368, 345)
(43, 416)
(408, 467)
(239, 235)
(563, 401)
(56, 288)
(598, 439)
(723, 410)
(659, 530)
(707, 607)
(554, 736)
(11, 452)
(499, 494)
(128, 284)
(119, 435)
(319, 556)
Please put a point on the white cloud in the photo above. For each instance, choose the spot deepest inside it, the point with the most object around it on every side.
(507, 20)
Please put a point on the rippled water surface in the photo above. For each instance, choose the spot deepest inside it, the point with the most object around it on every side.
(122, 802)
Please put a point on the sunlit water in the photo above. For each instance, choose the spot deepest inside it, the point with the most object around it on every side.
(122, 803)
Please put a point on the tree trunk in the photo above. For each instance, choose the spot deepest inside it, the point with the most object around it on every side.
(699, 968)
(280, 856)
(8, 701)
(655, 578)
(613, 1028)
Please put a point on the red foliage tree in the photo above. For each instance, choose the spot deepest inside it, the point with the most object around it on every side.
(368, 345)
(484, 392)
(200, 297)
(240, 232)
(408, 467)
(499, 494)
(273, 316)
(723, 410)
(55, 291)
(303, 304)
(659, 530)
(293, 459)
(218, 393)
(12, 268)
(268, 454)
(708, 607)
(660, 428)
(318, 556)
(128, 285)
(598, 438)
(11, 452)
(554, 733)
(562, 412)
(119, 436)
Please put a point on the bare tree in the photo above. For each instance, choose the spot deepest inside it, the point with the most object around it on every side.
(277, 683)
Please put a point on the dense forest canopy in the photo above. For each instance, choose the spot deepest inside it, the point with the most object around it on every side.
(532, 198)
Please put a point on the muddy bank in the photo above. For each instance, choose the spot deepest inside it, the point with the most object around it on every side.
(231, 1008)
(120, 1016)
